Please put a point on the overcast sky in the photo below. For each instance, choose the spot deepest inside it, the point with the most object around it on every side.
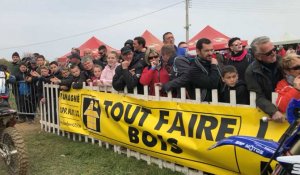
(59, 25)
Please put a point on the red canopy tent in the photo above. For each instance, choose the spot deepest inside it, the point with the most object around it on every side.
(152, 41)
(93, 43)
(218, 39)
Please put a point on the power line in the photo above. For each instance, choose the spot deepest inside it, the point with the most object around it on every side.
(248, 7)
(94, 30)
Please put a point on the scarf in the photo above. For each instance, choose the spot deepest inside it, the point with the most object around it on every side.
(238, 56)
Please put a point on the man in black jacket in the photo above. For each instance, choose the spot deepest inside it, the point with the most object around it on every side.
(16, 60)
(55, 70)
(205, 73)
(263, 74)
(102, 59)
(128, 73)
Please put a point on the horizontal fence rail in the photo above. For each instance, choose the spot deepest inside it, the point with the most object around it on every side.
(50, 120)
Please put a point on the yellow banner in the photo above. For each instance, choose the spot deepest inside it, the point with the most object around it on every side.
(176, 132)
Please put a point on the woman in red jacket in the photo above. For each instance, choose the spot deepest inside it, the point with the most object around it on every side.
(289, 87)
(154, 73)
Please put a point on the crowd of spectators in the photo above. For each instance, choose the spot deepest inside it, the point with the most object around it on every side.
(262, 69)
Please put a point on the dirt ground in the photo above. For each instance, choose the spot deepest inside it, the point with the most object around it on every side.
(26, 128)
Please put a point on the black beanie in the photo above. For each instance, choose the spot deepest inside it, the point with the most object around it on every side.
(15, 54)
(232, 40)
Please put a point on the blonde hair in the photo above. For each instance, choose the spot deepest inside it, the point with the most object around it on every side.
(65, 69)
(290, 51)
(148, 52)
(114, 53)
(288, 61)
(44, 67)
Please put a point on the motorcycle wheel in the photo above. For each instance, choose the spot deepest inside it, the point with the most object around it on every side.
(13, 144)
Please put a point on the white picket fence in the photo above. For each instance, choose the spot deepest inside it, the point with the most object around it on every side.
(48, 119)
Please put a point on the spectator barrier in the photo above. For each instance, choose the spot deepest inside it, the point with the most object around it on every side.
(26, 98)
(50, 122)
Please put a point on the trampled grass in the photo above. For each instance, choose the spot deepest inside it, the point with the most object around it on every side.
(51, 154)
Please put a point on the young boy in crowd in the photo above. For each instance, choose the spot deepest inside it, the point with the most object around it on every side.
(39, 79)
(65, 81)
(24, 101)
(66, 77)
(78, 77)
(55, 70)
(231, 82)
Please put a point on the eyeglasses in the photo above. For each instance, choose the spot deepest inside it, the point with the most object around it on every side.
(238, 44)
(269, 52)
(295, 68)
(156, 56)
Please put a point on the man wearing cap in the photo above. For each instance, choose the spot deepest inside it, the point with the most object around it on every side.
(128, 73)
(129, 43)
(240, 58)
(75, 59)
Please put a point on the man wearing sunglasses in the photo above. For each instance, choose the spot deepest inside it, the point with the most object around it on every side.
(263, 75)
(102, 59)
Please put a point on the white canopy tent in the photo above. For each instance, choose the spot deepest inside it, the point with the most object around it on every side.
(295, 41)
(287, 38)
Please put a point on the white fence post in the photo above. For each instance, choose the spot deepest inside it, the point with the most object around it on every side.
(182, 94)
(232, 97)
(52, 107)
(274, 97)
(48, 122)
(252, 99)
(157, 95)
(57, 109)
(146, 93)
(214, 94)
(198, 95)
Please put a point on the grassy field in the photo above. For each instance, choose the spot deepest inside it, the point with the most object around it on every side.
(51, 154)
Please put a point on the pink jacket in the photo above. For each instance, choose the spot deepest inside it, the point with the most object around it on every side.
(108, 74)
